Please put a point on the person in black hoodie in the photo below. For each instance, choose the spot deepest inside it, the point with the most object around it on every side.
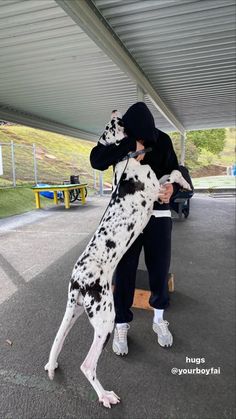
(156, 237)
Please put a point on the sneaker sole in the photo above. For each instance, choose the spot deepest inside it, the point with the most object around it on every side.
(118, 352)
(165, 346)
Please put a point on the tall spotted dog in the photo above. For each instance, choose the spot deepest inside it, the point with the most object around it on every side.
(135, 188)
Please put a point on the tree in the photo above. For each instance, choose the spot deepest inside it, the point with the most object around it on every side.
(201, 146)
(191, 151)
(212, 140)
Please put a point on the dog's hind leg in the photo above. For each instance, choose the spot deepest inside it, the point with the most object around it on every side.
(103, 323)
(73, 310)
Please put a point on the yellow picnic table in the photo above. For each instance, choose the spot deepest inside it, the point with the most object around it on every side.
(56, 188)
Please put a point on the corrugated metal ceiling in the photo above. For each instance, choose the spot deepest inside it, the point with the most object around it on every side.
(51, 69)
(186, 49)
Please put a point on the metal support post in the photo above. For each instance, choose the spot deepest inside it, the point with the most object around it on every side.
(13, 164)
(183, 145)
(35, 165)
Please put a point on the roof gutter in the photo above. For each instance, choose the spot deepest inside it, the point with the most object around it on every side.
(10, 114)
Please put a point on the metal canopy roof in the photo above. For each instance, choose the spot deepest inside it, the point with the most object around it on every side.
(66, 64)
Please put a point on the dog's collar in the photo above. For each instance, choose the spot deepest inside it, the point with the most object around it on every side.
(134, 154)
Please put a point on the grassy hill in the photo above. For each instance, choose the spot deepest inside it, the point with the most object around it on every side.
(58, 156)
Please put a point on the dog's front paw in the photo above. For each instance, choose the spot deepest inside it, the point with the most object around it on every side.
(108, 398)
(51, 369)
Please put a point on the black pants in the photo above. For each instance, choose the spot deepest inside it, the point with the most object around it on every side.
(156, 240)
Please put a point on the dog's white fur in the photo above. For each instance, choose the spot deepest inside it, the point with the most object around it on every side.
(135, 189)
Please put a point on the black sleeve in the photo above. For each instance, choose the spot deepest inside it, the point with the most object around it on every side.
(103, 156)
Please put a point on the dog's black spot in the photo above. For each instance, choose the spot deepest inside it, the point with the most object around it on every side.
(130, 226)
(148, 175)
(73, 316)
(110, 306)
(136, 177)
(107, 339)
(128, 242)
(101, 230)
(93, 290)
(90, 275)
(108, 218)
(110, 244)
(143, 203)
(129, 187)
(83, 259)
(98, 307)
(74, 285)
(101, 272)
(92, 302)
(89, 311)
(134, 211)
(114, 255)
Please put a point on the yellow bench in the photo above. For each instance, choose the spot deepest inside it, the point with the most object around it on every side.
(63, 188)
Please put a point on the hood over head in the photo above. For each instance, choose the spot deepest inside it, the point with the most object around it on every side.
(139, 123)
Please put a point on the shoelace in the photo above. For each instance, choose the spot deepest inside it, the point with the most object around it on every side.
(122, 333)
(164, 326)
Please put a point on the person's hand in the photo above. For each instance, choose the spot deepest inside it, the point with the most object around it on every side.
(165, 193)
(140, 146)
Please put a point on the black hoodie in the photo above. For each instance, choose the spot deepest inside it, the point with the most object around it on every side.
(139, 124)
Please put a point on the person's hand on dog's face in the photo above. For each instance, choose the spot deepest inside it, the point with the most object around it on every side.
(140, 146)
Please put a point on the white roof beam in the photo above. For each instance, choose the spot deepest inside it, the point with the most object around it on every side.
(87, 16)
(20, 117)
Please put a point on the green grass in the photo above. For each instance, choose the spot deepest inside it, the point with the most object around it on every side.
(214, 182)
(227, 156)
(15, 201)
(58, 156)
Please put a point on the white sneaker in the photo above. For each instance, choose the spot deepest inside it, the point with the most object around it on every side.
(120, 344)
(164, 337)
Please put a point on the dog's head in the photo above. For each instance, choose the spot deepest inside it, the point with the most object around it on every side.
(114, 131)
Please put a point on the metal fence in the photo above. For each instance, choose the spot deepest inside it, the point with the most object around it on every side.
(21, 165)
(18, 164)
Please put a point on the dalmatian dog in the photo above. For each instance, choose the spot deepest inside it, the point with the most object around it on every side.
(135, 188)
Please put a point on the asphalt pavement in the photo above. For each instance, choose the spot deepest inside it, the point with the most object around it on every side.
(192, 380)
